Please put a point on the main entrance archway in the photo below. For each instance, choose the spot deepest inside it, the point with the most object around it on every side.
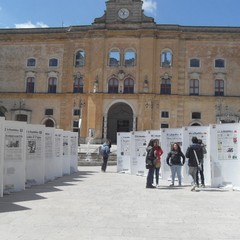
(119, 119)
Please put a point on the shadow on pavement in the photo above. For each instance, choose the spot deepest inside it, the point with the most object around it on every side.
(8, 202)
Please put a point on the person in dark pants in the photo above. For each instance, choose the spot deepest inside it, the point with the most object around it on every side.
(201, 169)
(194, 153)
(150, 164)
(105, 154)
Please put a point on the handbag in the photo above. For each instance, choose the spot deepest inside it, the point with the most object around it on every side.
(198, 163)
(150, 159)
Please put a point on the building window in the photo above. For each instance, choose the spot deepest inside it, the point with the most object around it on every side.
(30, 85)
(22, 117)
(196, 115)
(53, 62)
(78, 85)
(165, 114)
(75, 124)
(164, 125)
(128, 85)
(194, 62)
(165, 86)
(219, 63)
(219, 87)
(31, 62)
(80, 59)
(52, 85)
(166, 59)
(194, 87)
(49, 112)
(114, 58)
(76, 112)
(113, 85)
(130, 58)
(49, 123)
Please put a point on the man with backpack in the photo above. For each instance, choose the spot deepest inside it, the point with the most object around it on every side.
(105, 154)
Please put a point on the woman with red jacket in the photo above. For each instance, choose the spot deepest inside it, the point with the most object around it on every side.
(157, 153)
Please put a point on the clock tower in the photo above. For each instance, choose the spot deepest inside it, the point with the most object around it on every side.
(124, 11)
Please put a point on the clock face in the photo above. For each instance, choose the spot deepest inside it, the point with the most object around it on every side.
(123, 13)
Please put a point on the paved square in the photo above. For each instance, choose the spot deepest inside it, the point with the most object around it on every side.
(91, 205)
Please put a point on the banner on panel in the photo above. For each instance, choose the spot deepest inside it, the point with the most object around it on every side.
(123, 152)
(138, 153)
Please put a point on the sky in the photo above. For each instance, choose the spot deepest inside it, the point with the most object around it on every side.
(64, 13)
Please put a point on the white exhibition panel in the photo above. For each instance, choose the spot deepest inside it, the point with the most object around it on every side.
(138, 152)
(14, 156)
(35, 154)
(66, 153)
(1, 156)
(154, 134)
(169, 136)
(73, 152)
(203, 133)
(58, 153)
(123, 152)
(225, 150)
(49, 154)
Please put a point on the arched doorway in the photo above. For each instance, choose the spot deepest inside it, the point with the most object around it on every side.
(119, 119)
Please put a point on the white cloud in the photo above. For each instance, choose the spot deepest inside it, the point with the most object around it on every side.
(150, 6)
(29, 24)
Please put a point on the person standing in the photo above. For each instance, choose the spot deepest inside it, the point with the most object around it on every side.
(105, 154)
(150, 164)
(176, 159)
(194, 153)
(201, 169)
(157, 153)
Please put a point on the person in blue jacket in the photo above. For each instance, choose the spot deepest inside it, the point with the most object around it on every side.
(105, 154)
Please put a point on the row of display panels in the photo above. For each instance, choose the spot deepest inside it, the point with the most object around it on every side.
(34, 154)
(221, 162)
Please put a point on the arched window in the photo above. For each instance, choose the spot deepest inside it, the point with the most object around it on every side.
(52, 85)
(49, 123)
(128, 85)
(53, 62)
(113, 85)
(194, 62)
(219, 87)
(194, 87)
(114, 58)
(130, 58)
(31, 62)
(30, 85)
(78, 84)
(80, 59)
(219, 63)
(166, 59)
(165, 86)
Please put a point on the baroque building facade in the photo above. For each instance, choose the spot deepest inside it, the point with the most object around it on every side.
(124, 72)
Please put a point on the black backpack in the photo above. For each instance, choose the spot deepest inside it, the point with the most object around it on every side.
(150, 158)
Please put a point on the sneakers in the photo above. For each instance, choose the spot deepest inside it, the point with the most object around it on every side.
(150, 186)
(193, 188)
(203, 185)
(171, 185)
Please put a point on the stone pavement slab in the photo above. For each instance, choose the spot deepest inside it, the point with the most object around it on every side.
(91, 205)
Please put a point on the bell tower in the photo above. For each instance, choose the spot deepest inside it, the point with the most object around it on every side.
(123, 12)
